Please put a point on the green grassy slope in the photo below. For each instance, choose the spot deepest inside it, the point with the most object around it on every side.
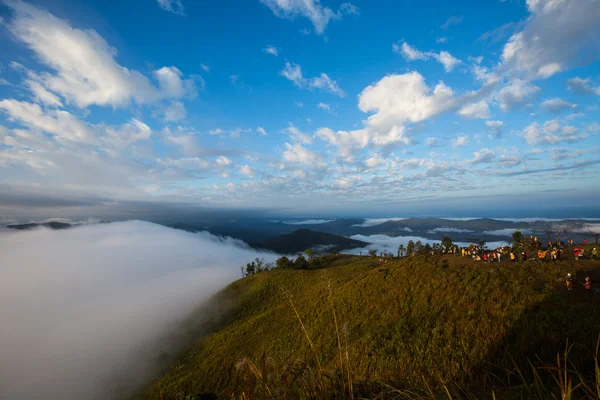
(412, 322)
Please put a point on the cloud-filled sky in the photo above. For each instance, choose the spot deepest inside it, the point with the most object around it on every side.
(86, 311)
(311, 104)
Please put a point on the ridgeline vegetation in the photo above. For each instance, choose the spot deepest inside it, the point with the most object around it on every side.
(433, 325)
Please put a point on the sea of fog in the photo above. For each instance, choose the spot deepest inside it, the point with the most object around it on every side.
(86, 308)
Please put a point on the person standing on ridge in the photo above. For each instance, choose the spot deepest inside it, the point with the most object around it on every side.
(594, 254)
(569, 281)
(588, 284)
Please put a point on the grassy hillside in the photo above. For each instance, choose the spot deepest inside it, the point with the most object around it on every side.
(419, 327)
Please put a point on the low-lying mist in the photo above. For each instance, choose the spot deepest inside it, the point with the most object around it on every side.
(86, 310)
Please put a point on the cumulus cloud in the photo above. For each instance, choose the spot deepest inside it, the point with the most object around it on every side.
(516, 93)
(311, 9)
(87, 311)
(296, 134)
(347, 141)
(297, 154)
(583, 86)
(247, 171)
(551, 132)
(480, 110)
(460, 141)
(495, 127)
(411, 54)
(83, 65)
(397, 99)
(323, 82)
(483, 156)
(556, 105)
(262, 131)
(558, 34)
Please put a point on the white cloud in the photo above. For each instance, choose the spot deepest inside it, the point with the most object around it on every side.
(84, 70)
(299, 104)
(247, 170)
(483, 156)
(85, 310)
(311, 9)
(557, 35)
(475, 110)
(324, 106)
(173, 6)
(452, 21)
(62, 124)
(431, 142)
(174, 112)
(293, 72)
(495, 127)
(300, 155)
(262, 131)
(271, 50)
(441, 39)
(41, 95)
(223, 162)
(397, 99)
(516, 93)
(217, 131)
(551, 132)
(556, 105)
(205, 67)
(411, 54)
(447, 60)
(460, 141)
(347, 142)
(296, 134)
(582, 86)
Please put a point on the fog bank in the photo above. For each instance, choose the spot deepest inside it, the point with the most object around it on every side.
(85, 309)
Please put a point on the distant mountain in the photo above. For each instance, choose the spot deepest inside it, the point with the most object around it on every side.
(303, 239)
(52, 225)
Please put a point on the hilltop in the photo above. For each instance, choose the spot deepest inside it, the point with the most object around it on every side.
(426, 326)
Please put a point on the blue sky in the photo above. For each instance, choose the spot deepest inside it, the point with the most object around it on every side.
(318, 106)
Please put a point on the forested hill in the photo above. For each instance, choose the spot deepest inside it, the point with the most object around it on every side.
(302, 239)
(419, 327)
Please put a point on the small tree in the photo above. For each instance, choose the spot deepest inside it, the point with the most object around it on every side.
(300, 262)
(410, 248)
(373, 253)
(260, 264)
(517, 237)
(447, 243)
(250, 268)
(284, 263)
(401, 250)
(418, 247)
(309, 253)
